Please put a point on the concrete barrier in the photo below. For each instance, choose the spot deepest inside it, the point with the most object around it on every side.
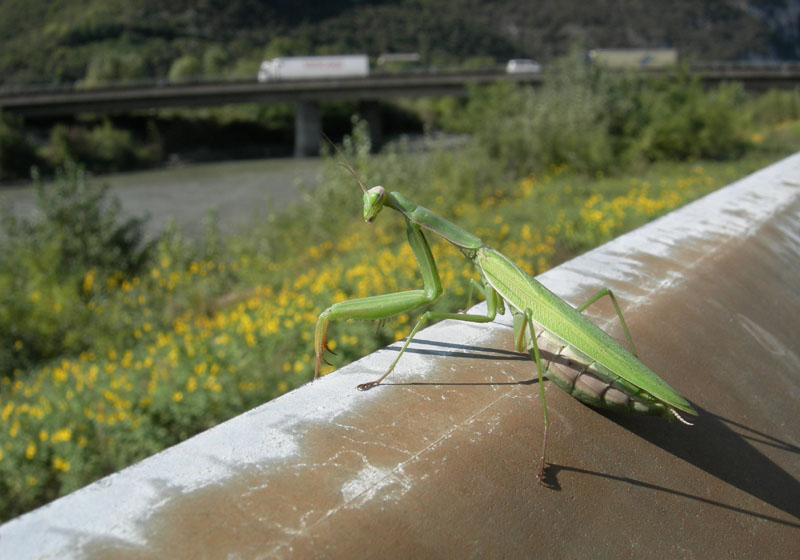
(441, 461)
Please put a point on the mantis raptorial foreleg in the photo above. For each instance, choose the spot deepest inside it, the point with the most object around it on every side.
(387, 305)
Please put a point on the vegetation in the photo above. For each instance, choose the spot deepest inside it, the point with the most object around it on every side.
(98, 41)
(110, 351)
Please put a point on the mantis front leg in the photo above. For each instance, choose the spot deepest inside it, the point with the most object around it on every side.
(387, 305)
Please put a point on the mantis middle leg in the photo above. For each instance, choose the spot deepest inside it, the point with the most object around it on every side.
(492, 299)
(610, 294)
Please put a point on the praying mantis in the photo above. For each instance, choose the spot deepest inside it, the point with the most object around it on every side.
(586, 362)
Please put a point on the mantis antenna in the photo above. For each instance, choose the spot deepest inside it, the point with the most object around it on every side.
(346, 163)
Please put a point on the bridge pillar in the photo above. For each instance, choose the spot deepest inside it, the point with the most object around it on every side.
(370, 111)
(307, 129)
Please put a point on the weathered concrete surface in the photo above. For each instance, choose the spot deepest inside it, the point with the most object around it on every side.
(441, 461)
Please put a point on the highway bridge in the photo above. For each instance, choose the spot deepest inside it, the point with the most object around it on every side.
(306, 94)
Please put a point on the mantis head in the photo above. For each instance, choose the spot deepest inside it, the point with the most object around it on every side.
(373, 198)
(373, 202)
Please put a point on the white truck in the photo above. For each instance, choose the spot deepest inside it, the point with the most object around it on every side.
(523, 66)
(313, 67)
(634, 58)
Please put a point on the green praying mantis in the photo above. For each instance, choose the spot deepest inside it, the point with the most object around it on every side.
(586, 362)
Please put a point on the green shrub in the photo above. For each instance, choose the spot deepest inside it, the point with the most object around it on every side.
(215, 61)
(46, 263)
(594, 120)
(774, 107)
(685, 121)
(103, 148)
(185, 69)
(110, 148)
(109, 67)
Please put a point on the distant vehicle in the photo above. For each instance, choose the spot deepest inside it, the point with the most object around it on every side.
(310, 67)
(634, 58)
(523, 66)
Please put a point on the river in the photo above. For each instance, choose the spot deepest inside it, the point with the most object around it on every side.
(238, 190)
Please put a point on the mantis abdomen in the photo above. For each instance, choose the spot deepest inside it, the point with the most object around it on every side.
(591, 383)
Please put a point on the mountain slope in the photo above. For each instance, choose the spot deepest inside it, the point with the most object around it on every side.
(56, 41)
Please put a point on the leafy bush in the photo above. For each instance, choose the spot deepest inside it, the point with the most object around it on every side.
(775, 106)
(46, 266)
(593, 120)
(102, 148)
(684, 121)
(110, 67)
(215, 61)
(185, 68)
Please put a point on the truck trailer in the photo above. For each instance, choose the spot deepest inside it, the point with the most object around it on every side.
(314, 67)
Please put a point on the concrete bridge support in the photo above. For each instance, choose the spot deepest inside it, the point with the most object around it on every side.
(307, 129)
(371, 112)
(308, 126)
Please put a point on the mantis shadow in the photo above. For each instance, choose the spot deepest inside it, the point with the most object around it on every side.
(713, 446)
(469, 351)
(721, 447)
(553, 470)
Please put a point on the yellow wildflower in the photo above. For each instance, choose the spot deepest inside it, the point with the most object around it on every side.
(64, 434)
(88, 281)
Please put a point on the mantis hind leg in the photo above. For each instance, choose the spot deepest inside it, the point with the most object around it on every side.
(610, 294)
(523, 321)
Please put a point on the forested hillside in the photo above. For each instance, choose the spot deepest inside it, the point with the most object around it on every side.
(63, 41)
